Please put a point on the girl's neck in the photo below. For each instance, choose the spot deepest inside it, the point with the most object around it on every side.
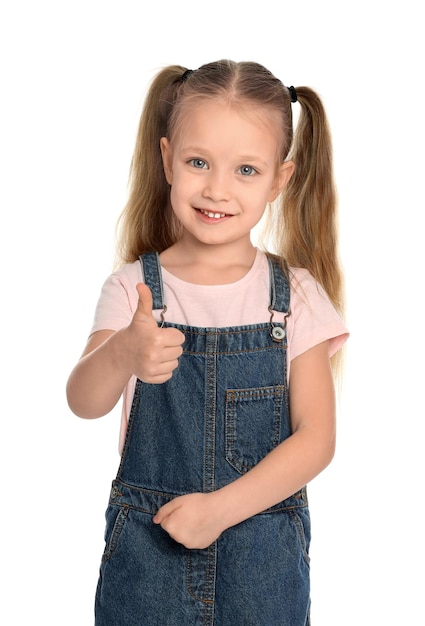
(209, 265)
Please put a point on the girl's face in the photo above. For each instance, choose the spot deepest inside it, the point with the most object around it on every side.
(222, 165)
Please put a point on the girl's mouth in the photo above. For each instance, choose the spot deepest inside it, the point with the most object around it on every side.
(212, 214)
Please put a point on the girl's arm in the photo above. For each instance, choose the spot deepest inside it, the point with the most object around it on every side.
(111, 358)
(97, 381)
(196, 520)
(301, 457)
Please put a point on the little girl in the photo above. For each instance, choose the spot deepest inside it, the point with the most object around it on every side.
(222, 353)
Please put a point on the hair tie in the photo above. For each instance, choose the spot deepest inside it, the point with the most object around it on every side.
(186, 75)
(293, 94)
(183, 78)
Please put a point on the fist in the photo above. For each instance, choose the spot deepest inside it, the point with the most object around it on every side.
(194, 520)
(154, 351)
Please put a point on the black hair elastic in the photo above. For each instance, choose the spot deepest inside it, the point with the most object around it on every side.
(293, 94)
(183, 78)
(186, 75)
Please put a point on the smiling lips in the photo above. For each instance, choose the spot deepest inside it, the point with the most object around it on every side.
(213, 215)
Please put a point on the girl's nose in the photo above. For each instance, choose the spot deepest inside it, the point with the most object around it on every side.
(217, 187)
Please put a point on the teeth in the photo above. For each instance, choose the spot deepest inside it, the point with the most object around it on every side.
(213, 215)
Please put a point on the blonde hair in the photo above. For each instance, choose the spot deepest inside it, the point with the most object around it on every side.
(303, 224)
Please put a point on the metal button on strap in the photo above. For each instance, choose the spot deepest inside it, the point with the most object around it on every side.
(114, 492)
(278, 333)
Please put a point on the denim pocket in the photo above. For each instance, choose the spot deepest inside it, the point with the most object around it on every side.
(301, 519)
(253, 424)
(115, 520)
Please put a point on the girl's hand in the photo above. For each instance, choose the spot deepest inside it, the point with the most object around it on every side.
(153, 351)
(111, 357)
(192, 520)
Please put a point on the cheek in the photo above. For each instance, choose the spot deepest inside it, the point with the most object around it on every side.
(179, 194)
(173, 195)
(184, 186)
(261, 193)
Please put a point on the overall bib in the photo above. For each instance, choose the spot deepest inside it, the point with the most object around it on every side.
(225, 407)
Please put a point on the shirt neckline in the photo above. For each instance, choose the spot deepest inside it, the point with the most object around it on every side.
(172, 279)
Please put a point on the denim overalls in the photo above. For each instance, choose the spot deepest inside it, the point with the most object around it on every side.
(223, 410)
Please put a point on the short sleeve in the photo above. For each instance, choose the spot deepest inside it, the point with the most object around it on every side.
(313, 317)
(118, 299)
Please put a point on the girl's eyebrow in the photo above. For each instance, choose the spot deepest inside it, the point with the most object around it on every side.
(194, 149)
(242, 158)
(250, 158)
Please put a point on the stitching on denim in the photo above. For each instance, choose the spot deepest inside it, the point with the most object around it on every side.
(301, 533)
(126, 499)
(233, 352)
(148, 491)
(272, 284)
(280, 292)
(234, 330)
(210, 408)
(210, 564)
(134, 405)
(235, 397)
(159, 271)
(116, 533)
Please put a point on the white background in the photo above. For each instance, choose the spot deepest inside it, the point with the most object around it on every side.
(73, 78)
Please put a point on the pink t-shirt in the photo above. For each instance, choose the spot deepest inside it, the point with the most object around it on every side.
(313, 318)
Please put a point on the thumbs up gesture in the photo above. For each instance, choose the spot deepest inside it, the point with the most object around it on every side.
(154, 351)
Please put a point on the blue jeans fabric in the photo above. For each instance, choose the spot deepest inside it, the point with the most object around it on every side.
(223, 410)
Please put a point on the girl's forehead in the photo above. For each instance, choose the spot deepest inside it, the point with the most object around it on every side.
(211, 113)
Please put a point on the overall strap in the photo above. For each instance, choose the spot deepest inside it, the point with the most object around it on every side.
(279, 286)
(280, 294)
(151, 267)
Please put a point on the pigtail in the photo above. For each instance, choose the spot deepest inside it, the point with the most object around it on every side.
(308, 228)
(146, 222)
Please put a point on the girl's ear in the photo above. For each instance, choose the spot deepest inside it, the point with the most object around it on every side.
(166, 159)
(283, 175)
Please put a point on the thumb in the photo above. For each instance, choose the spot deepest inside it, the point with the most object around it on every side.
(164, 512)
(144, 306)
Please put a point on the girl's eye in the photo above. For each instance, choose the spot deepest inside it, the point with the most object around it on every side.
(247, 170)
(198, 163)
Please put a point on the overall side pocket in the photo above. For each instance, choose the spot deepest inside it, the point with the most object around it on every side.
(301, 519)
(115, 520)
